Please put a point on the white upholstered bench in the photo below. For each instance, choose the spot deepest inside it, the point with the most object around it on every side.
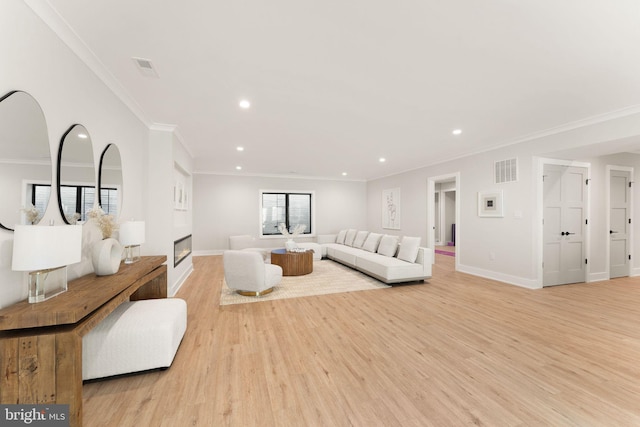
(136, 336)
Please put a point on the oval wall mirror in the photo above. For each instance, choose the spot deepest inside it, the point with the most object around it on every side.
(76, 175)
(110, 181)
(25, 159)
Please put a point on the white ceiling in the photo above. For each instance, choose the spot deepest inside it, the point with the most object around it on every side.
(335, 85)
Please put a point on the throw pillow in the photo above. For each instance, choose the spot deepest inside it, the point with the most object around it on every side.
(360, 239)
(351, 235)
(372, 242)
(341, 235)
(388, 245)
(409, 249)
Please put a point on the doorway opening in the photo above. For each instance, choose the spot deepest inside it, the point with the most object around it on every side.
(443, 218)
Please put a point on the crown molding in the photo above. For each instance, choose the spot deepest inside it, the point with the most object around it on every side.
(60, 27)
(277, 176)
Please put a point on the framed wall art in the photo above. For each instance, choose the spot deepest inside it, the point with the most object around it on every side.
(490, 204)
(391, 208)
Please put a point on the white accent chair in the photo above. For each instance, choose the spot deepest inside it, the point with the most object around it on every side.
(247, 273)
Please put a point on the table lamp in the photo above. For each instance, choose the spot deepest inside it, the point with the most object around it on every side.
(45, 252)
(131, 237)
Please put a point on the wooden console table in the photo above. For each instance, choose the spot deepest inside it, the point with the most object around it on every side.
(41, 343)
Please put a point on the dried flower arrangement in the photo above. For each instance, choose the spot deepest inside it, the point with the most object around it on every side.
(31, 214)
(73, 219)
(298, 229)
(106, 223)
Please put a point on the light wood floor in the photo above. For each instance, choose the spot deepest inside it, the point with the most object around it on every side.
(457, 350)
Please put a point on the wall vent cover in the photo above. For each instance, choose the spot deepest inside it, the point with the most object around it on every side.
(146, 67)
(506, 171)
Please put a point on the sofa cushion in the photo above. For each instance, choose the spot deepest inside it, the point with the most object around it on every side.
(388, 245)
(409, 249)
(341, 235)
(372, 242)
(350, 237)
(389, 269)
(361, 237)
(344, 254)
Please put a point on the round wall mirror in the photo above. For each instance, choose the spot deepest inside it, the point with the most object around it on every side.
(25, 160)
(110, 181)
(76, 175)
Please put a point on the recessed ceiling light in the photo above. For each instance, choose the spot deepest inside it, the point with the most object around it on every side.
(457, 131)
(82, 135)
(344, 174)
(245, 104)
(382, 160)
(240, 148)
(238, 167)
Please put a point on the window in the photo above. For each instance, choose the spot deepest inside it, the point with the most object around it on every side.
(288, 208)
(109, 201)
(40, 198)
(76, 198)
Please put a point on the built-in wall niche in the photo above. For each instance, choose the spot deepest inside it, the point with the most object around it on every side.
(25, 160)
(181, 249)
(181, 189)
(76, 175)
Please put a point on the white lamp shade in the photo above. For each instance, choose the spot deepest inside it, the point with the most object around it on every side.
(132, 233)
(43, 247)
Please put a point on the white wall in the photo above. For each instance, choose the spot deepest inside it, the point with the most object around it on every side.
(507, 248)
(36, 61)
(226, 205)
(165, 224)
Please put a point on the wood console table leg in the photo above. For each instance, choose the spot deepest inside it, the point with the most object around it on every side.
(41, 369)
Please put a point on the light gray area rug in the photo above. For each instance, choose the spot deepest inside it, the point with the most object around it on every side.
(328, 277)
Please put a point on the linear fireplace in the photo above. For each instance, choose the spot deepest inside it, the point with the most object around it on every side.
(181, 249)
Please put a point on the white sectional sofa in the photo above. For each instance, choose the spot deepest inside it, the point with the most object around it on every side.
(385, 257)
(265, 246)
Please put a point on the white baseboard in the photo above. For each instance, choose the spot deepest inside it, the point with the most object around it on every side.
(500, 277)
(208, 252)
(598, 277)
(178, 284)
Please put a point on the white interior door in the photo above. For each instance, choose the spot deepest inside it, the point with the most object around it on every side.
(564, 221)
(619, 218)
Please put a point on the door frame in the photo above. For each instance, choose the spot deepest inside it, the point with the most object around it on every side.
(431, 189)
(539, 240)
(609, 169)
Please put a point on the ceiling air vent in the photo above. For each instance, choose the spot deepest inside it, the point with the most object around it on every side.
(506, 171)
(146, 67)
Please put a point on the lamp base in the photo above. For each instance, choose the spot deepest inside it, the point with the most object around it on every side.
(131, 254)
(46, 284)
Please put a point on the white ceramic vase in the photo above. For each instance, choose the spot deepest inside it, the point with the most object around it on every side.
(106, 255)
(290, 245)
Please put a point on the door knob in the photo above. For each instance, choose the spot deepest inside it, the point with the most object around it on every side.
(611, 231)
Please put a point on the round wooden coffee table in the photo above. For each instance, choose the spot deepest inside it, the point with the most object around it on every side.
(293, 263)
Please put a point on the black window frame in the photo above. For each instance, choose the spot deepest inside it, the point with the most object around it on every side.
(307, 232)
(79, 193)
